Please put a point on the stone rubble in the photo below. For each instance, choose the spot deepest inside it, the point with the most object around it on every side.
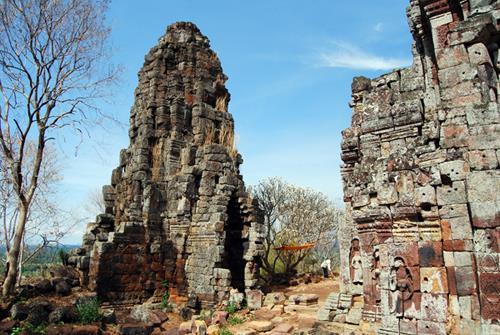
(271, 319)
(422, 182)
(177, 215)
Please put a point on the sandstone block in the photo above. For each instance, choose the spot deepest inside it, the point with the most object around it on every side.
(452, 57)
(408, 251)
(461, 228)
(246, 332)
(387, 194)
(283, 328)
(219, 318)
(360, 84)
(135, 329)
(484, 137)
(274, 298)
(433, 280)
(354, 316)
(452, 76)
(453, 211)
(303, 299)
(455, 170)
(454, 136)
(434, 307)
(465, 280)
(478, 54)
(425, 195)
(482, 159)
(452, 194)
(254, 299)
(430, 254)
(462, 258)
(430, 328)
(408, 326)
(260, 326)
(482, 186)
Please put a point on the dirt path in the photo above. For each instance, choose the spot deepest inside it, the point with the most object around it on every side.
(288, 317)
(322, 289)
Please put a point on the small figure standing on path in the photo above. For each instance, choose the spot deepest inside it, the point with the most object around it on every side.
(326, 266)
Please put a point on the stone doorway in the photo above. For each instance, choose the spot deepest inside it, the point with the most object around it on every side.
(234, 246)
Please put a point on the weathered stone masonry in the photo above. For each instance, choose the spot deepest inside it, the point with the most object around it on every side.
(422, 181)
(176, 209)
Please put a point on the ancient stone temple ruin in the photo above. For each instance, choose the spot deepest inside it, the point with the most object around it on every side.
(422, 182)
(177, 212)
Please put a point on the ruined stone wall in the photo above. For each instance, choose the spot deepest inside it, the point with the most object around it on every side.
(176, 209)
(422, 180)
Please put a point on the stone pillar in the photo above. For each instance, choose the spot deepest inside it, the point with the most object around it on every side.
(421, 176)
(177, 213)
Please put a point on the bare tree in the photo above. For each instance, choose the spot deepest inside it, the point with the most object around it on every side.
(46, 223)
(51, 53)
(271, 195)
(43, 206)
(95, 202)
(294, 217)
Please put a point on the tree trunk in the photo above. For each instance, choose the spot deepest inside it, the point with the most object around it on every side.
(9, 283)
(20, 262)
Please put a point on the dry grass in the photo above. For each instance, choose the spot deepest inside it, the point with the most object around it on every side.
(228, 139)
(156, 164)
(224, 136)
(221, 103)
(209, 134)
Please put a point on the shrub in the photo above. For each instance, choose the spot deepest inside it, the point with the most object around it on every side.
(234, 320)
(224, 331)
(89, 311)
(206, 314)
(28, 328)
(231, 307)
(63, 257)
(165, 297)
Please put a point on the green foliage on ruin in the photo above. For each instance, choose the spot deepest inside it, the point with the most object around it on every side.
(231, 307)
(165, 304)
(89, 311)
(28, 328)
(234, 320)
(225, 331)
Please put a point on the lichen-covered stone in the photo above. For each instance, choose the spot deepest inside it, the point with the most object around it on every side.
(421, 179)
(177, 214)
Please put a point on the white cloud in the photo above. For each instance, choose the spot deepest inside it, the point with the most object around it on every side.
(379, 27)
(345, 55)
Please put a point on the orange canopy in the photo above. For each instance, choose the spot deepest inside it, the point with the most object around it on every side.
(296, 247)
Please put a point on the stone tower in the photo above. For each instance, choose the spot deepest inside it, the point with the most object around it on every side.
(176, 210)
(421, 180)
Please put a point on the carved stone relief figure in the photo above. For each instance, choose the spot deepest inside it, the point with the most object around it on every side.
(356, 269)
(401, 286)
(376, 274)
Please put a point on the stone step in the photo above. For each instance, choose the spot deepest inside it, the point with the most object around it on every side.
(301, 309)
(305, 299)
(323, 314)
(345, 301)
(260, 326)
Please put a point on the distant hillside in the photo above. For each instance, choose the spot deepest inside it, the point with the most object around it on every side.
(50, 255)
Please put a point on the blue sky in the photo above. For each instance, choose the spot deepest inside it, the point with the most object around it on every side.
(290, 65)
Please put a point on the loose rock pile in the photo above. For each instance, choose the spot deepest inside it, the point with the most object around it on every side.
(272, 314)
